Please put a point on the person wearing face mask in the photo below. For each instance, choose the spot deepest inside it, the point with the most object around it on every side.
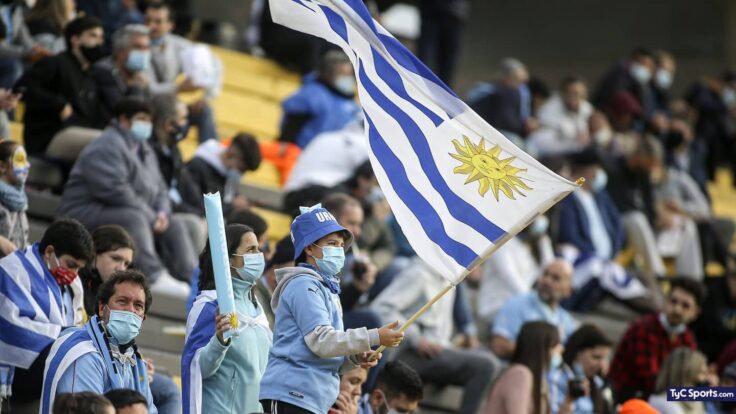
(399, 389)
(632, 75)
(648, 341)
(684, 367)
(102, 355)
(579, 386)
(220, 167)
(49, 266)
(310, 346)
(591, 233)
(14, 167)
(61, 97)
(219, 374)
(522, 388)
(324, 103)
(46, 21)
(662, 80)
(126, 72)
(117, 180)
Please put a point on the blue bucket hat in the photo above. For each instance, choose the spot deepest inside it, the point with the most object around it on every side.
(313, 224)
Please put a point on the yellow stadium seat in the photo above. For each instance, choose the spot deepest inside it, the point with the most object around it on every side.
(238, 112)
(16, 132)
(279, 224)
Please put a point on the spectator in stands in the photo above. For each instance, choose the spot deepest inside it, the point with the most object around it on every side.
(727, 379)
(128, 401)
(114, 251)
(442, 24)
(685, 152)
(553, 286)
(522, 387)
(564, 120)
(82, 403)
(648, 341)
(514, 268)
(349, 396)
(167, 64)
(507, 105)
(630, 186)
(310, 345)
(116, 180)
(49, 266)
(102, 355)
(59, 93)
(684, 367)
(713, 101)
(114, 14)
(399, 389)
(212, 366)
(579, 385)
(662, 80)
(124, 72)
(216, 167)
(624, 113)
(591, 234)
(46, 21)
(8, 102)
(714, 327)
(14, 167)
(314, 173)
(430, 350)
(632, 75)
(326, 102)
(17, 44)
(283, 256)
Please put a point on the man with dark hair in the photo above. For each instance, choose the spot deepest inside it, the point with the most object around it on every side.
(217, 167)
(399, 389)
(127, 401)
(102, 355)
(116, 180)
(59, 92)
(632, 75)
(41, 295)
(648, 341)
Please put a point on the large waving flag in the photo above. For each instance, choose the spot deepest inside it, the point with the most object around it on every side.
(457, 187)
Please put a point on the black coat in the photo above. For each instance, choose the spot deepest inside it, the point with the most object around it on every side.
(47, 87)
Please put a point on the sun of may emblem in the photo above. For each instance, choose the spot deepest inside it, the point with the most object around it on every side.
(488, 169)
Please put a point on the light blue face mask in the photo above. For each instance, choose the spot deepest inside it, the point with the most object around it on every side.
(599, 181)
(253, 266)
(556, 361)
(345, 84)
(124, 326)
(332, 261)
(141, 130)
(138, 60)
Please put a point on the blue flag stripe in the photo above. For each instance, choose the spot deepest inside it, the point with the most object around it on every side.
(40, 287)
(336, 22)
(393, 79)
(415, 202)
(201, 333)
(460, 209)
(70, 342)
(15, 294)
(23, 338)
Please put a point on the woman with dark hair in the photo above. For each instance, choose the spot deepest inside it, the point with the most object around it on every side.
(14, 169)
(579, 385)
(221, 374)
(538, 349)
(46, 21)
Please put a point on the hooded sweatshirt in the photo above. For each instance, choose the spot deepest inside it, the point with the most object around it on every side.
(309, 344)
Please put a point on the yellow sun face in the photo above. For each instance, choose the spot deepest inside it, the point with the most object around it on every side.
(491, 172)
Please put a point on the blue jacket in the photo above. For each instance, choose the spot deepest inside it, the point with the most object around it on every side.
(574, 227)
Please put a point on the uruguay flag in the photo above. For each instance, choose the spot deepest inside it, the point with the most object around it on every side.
(457, 187)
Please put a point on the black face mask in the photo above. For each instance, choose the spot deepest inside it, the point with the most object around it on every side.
(179, 132)
(93, 53)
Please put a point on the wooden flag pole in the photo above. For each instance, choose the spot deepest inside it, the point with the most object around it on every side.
(579, 182)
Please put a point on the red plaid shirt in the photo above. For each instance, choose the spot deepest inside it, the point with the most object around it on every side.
(641, 352)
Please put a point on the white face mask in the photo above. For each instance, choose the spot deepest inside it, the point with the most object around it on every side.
(640, 73)
(663, 78)
(345, 84)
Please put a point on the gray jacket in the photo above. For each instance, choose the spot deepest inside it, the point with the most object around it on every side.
(109, 173)
(166, 66)
(14, 226)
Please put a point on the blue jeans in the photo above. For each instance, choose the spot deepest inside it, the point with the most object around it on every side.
(205, 123)
(166, 394)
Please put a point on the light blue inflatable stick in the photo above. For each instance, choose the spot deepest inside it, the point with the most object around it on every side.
(220, 260)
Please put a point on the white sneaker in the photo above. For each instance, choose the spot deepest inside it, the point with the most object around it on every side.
(166, 284)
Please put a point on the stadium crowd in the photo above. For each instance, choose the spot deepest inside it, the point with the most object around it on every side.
(100, 81)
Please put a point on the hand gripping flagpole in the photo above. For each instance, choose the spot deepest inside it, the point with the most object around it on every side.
(477, 262)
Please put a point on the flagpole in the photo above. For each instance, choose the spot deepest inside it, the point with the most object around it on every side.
(477, 262)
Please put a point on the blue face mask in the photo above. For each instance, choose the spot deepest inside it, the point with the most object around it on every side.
(157, 41)
(599, 181)
(124, 326)
(138, 60)
(332, 261)
(141, 130)
(234, 174)
(556, 361)
(253, 265)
